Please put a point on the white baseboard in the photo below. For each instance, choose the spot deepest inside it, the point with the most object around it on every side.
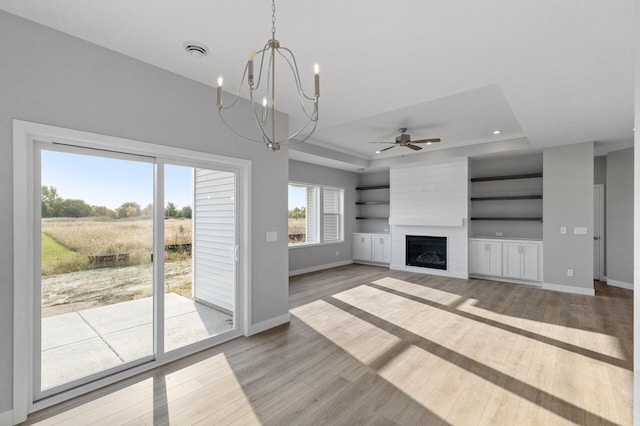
(620, 284)
(266, 325)
(320, 267)
(6, 418)
(430, 271)
(569, 289)
(506, 280)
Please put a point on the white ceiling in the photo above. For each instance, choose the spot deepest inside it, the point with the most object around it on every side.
(553, 72)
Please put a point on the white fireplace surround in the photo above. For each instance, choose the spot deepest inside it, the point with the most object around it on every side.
(431, 200)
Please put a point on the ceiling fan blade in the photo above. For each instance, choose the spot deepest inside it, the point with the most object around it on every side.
(413, 147)
(386, 149)
(383, 142)
(427, 140)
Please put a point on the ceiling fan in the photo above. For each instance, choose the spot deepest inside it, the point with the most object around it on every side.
(405, 140)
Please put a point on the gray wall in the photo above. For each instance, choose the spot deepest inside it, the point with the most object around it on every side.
(315, 256)
(600, 169)
(568, 201)
(52, 78)
(374, 179)
(619, 217)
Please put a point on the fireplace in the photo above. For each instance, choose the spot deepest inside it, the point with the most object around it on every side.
(426, 252)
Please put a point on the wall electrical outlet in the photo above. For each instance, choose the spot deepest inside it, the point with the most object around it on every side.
(563, 229)
(569, 272)
(498, 234)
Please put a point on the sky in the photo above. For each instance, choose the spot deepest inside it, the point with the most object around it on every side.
(297, 196)
(109, 182)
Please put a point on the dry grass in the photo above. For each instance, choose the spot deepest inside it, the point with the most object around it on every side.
(297, 230)
(94, 236)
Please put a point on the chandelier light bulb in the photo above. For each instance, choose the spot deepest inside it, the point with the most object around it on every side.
(219, 81)
(316, 69)
(264, 101)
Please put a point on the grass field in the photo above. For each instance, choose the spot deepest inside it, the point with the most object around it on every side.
(56, 257)
(67, 243)
(297, 228)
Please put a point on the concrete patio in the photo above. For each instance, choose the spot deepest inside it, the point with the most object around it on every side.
(81, 343)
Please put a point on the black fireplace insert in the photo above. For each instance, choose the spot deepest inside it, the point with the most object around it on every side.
(426, 252)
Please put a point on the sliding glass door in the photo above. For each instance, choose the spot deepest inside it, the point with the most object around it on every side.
(122, 239)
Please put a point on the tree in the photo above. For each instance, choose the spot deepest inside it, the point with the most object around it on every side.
(102, 211)
(128, 209)
(185, 212)
(74, 208)
(148, 211)
(50, 201)
(171, 210)
(298, 213)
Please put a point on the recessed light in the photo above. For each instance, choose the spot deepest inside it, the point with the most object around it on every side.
(195, 49)
(497, 132)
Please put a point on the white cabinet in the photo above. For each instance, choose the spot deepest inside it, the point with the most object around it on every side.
(517, 260)
(521, 260)
(381, 248)
(485, 257)
(372, 248)
(362, 247)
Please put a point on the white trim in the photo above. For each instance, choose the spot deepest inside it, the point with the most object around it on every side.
(307, 245)
(602, 241)
(430, 271)
(621, 284)
(569, 289)
(455, 222)
(6, 418)
(270, 323)
(506, 280)
(25, 135)
(320, 267)
(367, 262)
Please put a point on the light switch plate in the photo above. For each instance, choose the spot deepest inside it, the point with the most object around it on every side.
(272, 236)
(580, 230)
(563, 229)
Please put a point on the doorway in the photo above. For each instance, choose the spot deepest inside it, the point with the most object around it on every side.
(105, 287)
(598, 232)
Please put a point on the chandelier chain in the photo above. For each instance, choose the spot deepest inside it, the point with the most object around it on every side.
(273, 19)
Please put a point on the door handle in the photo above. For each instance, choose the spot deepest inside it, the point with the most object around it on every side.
(596, 238)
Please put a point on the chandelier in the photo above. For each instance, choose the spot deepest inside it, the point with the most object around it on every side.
(265, 115)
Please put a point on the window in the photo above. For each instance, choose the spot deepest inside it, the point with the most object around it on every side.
(313, 220)
(332, 214)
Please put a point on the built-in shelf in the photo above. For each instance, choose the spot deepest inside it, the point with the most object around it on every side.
(508, 197)
(381, 199)
(533, 219)
(366, 188)
(508, 177)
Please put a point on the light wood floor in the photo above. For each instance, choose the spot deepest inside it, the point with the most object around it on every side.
(371, 346)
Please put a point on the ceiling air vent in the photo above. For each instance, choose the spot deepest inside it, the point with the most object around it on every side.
(196, 49)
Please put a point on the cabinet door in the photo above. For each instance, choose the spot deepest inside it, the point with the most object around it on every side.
(529, 266)
(485, 257)
(493, 252)
(512, 260)
(477, 258)
(362, 247)
(521, 261)
(381, 249)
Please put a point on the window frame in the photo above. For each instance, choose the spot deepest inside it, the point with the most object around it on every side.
(26, 199)
(319, 223)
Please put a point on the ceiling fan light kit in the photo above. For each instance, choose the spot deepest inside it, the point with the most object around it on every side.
(266, 114)
(404, 139)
